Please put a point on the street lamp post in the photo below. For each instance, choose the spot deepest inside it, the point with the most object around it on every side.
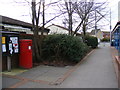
(110, 28)
(95, 23)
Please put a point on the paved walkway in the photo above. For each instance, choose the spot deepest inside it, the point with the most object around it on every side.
(96, 71)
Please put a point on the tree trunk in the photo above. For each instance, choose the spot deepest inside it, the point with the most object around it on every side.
(84, 32)
(84, 29)
(35, 21)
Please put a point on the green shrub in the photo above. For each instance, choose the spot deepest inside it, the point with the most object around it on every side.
(105, 40)
(91, 41)
(63, 47)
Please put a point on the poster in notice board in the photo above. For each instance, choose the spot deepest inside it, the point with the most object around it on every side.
(4, 44)
(15, 44)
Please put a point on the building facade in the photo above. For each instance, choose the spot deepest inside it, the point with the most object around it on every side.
(116, 36)
(56, 29)
(106, 34)
(13, 25)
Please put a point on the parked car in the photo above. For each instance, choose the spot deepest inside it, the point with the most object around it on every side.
(112, 42)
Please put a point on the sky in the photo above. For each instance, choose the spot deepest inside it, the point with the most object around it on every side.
(20, 10)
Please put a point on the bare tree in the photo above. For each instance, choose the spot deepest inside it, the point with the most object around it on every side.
(67, 9)
(38, 22)
(35, 22)
(82, 9)
(85, 12)
(90, 11)
(35, 28)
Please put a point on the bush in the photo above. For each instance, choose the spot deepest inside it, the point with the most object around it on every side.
(91, 41)
(63, 47)
(105, 40)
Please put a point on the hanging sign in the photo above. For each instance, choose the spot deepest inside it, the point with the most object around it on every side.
(10, 48)
(4, 44)
(3, 48)
(15, 44)
(3, 40)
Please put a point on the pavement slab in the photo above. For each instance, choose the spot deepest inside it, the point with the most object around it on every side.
(46, 73)
(36, 85)
(8, 82)
(96, 71)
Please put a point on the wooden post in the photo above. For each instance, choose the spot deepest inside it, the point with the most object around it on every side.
(8, 63)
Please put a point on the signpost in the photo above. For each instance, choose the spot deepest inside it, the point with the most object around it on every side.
(10, 46)
(8, 63)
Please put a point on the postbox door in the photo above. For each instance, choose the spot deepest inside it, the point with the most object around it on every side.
(26, 53)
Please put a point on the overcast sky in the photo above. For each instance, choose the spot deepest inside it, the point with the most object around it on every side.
(17, 9)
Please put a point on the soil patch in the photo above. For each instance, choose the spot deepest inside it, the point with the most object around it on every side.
(56, 63)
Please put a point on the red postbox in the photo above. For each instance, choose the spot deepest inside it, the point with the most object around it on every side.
(25, 60)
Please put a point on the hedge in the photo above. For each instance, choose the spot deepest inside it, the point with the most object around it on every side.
(63, 47)
(91, 41)
(105, 40)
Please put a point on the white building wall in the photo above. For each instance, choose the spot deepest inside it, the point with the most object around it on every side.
(57, 30)
(119, 11)
(44, 33)
(29, 32)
